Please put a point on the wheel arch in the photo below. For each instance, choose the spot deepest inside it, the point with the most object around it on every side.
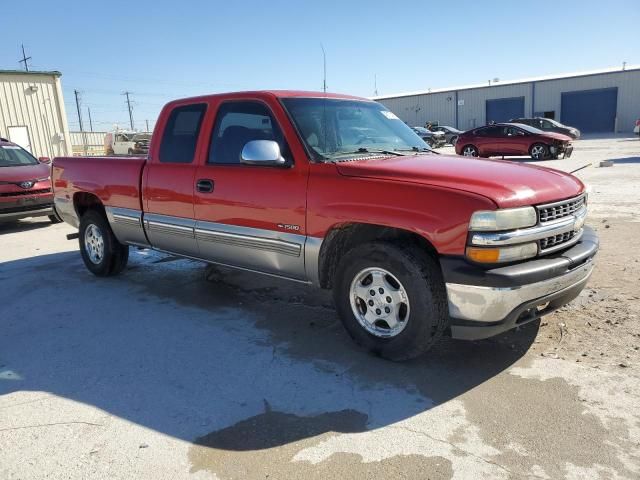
(342, 238)
(84, 201)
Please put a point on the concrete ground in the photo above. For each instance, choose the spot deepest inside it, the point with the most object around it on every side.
(176, 370)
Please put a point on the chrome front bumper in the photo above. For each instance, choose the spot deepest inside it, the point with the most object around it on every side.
(491, 304)
(483, 303)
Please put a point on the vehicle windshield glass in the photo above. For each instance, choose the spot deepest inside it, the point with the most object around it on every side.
(421, 130)
(554, 122)
(14, 156)
(141, 136)
(333, 128)
(527, 128)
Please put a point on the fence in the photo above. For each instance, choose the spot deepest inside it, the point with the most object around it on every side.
(88, 143)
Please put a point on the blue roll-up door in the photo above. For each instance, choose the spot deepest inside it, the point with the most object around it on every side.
(504, 109)
(590, 110)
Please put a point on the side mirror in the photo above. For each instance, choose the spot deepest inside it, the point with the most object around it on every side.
(44, 160)
(262, 152)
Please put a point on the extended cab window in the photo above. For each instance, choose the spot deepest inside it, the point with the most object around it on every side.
(181, 134)
(238, 123)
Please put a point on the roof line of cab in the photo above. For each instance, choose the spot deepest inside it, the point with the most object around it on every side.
(272, 93)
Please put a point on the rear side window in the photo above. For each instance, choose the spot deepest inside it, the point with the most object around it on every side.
(180, 136)
(237, 123)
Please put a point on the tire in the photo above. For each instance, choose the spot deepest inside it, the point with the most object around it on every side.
(539, 151)
(130, 151)
(430, 143)
(470, 151)
(101, 252)
(413, 276)
(453, 140)
(55, 218)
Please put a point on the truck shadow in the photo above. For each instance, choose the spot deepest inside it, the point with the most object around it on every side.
(224, 359)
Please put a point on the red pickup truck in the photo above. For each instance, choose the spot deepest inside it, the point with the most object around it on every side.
(336, 191)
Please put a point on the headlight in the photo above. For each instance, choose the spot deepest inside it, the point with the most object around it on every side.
(502, 254)
(507, 219)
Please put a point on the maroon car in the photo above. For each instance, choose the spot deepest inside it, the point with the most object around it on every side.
(25, 184)
(513, 139)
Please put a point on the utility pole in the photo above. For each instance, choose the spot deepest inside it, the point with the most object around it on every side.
(129, 107)
(324, 69)
(25, 59)
(147, 123)
(84, 138)
(77, 94)
(90, 122)
(375, 85)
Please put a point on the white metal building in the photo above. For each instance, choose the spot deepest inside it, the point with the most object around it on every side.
(597, 101)
(32, 112)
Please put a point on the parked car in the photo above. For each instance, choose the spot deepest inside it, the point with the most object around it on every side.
(636, 129)
(513, 139)
(433, 139)
(549, 125)
(25, 184)
(127, 143)
(450, 134)
(414, 245)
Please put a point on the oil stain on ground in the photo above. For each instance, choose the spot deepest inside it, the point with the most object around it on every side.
(264, 446)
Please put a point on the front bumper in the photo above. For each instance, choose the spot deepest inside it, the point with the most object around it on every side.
(15, 209)
(484, 303)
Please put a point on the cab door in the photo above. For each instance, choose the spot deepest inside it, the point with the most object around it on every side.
(251, 216)
(168, 185)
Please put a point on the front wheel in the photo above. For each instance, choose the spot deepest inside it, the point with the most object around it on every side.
(103, 255)
(391, 299)
(539, 151)
(453, 140)
(55, 218)
(470, 151)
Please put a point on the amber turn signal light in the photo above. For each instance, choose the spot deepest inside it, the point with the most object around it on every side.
(483, 255)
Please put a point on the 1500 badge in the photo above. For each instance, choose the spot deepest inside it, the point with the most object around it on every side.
(286, 226)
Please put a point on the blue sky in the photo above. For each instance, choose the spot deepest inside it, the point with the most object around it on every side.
(161, 49)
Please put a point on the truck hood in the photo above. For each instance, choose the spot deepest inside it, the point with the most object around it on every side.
(24, 172)
(508, 184)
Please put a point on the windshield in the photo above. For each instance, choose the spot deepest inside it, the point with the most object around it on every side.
(334, 128)
(141, 136)
(14, 156)
(527, 128)
(554, 122)
(421, 130)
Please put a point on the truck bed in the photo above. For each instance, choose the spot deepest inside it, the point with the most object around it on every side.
(114, 180)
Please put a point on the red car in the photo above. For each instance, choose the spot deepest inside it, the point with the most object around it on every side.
(25, 184)
(337, 192)
(513, 139)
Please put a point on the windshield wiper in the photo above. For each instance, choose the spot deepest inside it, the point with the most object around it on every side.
(362, 150)
(420, 149)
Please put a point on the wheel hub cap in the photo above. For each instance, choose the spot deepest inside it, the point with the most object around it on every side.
(94, 243)
(379, 302)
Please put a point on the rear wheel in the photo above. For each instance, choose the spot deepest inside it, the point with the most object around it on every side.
(538, 151)
(470, 151)
(103, 255)
(391, 299)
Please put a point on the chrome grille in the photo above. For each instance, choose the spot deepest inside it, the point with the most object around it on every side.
(554, 240)
(558, 210)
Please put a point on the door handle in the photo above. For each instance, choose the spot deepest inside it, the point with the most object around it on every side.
(204, 185)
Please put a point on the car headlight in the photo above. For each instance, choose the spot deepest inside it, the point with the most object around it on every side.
(502, 254)
(506, 219)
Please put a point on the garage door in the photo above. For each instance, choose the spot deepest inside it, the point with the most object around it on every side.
(504, 109)
(590, 110)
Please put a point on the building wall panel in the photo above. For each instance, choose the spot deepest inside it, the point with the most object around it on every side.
(35, 100)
